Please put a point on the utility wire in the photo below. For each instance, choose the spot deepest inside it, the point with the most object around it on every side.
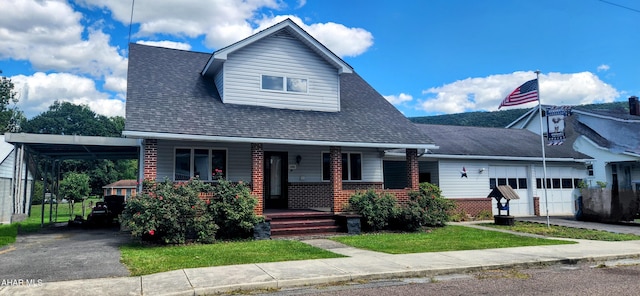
(621, 6)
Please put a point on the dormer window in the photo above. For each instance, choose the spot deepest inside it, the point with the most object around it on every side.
(285, 84)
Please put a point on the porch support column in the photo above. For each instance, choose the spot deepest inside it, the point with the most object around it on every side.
(257, 176)
(336, 178)
(150, 161)
(413, 178)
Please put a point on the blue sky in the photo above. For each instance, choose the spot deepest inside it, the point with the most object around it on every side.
(426, 57)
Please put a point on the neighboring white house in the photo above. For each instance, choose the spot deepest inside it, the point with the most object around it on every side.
(612, 139)
(471, 161)
(15, 197)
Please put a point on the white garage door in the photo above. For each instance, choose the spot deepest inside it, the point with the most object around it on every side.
(517, 177)
(561, 190)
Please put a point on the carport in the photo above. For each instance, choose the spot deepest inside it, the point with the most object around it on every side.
(52, 150)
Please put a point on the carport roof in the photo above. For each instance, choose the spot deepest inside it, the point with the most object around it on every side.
(77, 147)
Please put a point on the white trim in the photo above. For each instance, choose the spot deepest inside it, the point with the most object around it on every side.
(222, 54)
(168, 136)
(489, 157)
(209, 159)
(322, 153)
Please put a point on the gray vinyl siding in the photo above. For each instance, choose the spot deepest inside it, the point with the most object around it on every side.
(279, 55)
(238, 158)
(310, 168)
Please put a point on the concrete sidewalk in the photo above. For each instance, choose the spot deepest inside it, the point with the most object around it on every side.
(359, 265)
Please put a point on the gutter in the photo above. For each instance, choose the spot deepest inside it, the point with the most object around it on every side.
(166, 136)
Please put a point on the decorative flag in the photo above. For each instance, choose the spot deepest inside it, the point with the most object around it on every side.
(527, 92)
(556, 124)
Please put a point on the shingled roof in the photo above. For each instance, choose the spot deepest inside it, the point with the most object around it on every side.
(490, 142)
(168, 97)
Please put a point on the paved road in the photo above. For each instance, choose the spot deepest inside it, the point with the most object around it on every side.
(583, 279)
(63, 254)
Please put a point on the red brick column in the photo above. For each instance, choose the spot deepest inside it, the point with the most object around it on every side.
(150, 159)
(413, 177)
(336, 178)
(536, 206)
(257, 176)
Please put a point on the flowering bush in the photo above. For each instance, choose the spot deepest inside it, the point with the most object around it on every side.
(170, 214)
(174, 213)
(426, 208)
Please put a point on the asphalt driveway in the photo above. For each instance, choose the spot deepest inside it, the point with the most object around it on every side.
(63, 253)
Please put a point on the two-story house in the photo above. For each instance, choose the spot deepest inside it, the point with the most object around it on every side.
(278, 110)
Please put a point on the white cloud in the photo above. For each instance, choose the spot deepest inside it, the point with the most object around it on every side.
(38, 91)
(189, 18)
(49, 35)
(603, 67)
(223, 22)
(399, 99)
(167, 44)
(341, 40)
(486, 93)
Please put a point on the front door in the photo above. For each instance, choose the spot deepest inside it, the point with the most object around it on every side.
(275, 180)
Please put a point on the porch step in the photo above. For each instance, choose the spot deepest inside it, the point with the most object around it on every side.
(302, 223)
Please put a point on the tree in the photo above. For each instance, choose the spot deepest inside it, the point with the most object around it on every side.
(74, 187)
(64, 118)
(9, 116)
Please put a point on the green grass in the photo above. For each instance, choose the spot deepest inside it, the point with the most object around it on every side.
(8, 234)
(565, 232)
(141, 260)
(448, 238)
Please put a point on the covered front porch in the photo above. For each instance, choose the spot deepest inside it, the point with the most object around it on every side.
(294, 177)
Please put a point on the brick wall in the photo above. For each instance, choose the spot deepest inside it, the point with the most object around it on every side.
(150, 159)
(413, 171)
(473, 206)
(310, 195)
(339, 198)
(257, 175)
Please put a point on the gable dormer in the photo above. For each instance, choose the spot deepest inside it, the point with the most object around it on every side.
(279, 67)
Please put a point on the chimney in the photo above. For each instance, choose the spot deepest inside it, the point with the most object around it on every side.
(634, 106)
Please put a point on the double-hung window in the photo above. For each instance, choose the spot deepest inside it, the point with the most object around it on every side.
(351, 166)
(205, 164)
(284, 84)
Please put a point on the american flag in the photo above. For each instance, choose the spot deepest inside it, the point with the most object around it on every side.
(527, 92)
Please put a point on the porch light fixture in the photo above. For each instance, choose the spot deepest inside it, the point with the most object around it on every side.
(298, 159)
(481, 170)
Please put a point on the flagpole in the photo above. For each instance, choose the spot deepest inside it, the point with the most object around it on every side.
(544, 159)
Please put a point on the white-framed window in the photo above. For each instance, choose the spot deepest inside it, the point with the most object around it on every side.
(351, 166)
(204, 163)
(284, 83)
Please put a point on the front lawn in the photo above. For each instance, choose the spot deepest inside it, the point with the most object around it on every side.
(565, 232)
(141, 260)
(448, 238)
(8, 234)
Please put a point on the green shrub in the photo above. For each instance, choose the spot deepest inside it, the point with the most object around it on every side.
(484, 215)
(376, 209)
(170, 213)
(233, 209)
(426, 208)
